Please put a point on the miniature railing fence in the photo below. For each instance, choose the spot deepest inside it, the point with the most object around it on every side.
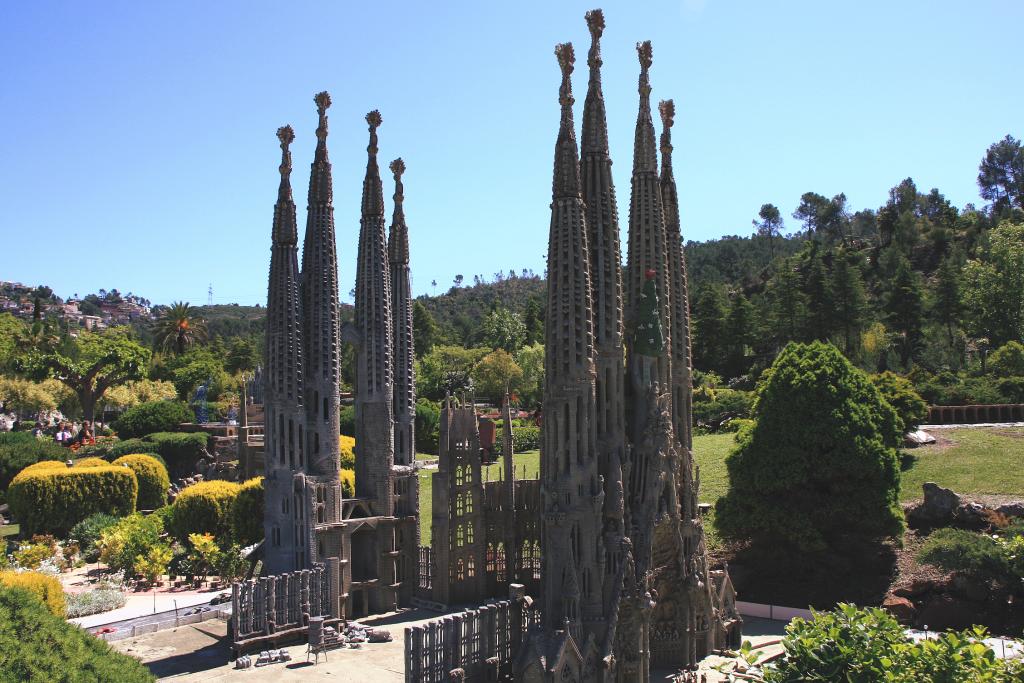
(279, 605)
(975, 414)
(481, 643)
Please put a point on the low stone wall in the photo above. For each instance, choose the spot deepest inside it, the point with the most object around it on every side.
(975, 414)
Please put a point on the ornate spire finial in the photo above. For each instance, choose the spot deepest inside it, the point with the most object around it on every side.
(399, 243)
(595, 22)
(566, 59)
(374, 119)
(646, 55)
(667, 109)
(397, 168)
(286, 135)
(323, 103)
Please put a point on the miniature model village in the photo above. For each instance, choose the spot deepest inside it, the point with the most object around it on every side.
(596, 571)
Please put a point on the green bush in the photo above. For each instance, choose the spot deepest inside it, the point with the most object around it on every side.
(204, 508)
(1011, 389)
(714, 405)
(820, 465)
(58, 499)
(122, 544)
(180, 451)
(348, 483)
(899, 393)
(88, 531)
(347, 452)
(18, 450)
(523, 439)
(35, 645)
(152, 477)
(427, 425)
(153, 416)
(1007, 360)
(247, 513)
(967, 552)
(347, 420)
(866, 645)
(47, 589)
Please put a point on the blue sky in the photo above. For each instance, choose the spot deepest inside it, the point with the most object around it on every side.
(139, 148)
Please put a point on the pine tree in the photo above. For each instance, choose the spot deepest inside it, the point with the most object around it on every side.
(708, 328)
(818, 323)
(849, 300)
(904, 306)
(946, 306)
(788, 305)
(739, 334)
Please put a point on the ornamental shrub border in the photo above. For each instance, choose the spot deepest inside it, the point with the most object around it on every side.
(47, 588)
(204, 508)
(152, 477)
(54, 500)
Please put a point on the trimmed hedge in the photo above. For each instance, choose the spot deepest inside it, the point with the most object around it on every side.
(44, 587)
(348, 456)
(54, 500)
(180, 451)
(38, 646)
(204, 508)
(91, 462)
(45, 466)
(153, 479)
(247, 513)
(348, 483)
(18, 450)
(523, 439)
(153, 416)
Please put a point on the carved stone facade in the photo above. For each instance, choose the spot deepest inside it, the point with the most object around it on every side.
(485, 535)
(367, 544)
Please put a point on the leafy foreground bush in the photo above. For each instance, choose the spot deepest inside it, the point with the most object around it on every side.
(900, 394)
(154, 416)
(347, 446)
(45, 588)
(998, 557)
(867, 645)
(247, 513)
(131, 542)
(152, 477)
(95, 601)
(88, 532)
(54, 500)
(348, 483)
(18, 450)
(38, 646)
(819, 467)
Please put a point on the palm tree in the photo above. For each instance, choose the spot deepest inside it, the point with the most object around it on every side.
(179, 327)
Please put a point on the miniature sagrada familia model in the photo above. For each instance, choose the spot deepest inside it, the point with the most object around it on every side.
(366, 544)
(625, 582)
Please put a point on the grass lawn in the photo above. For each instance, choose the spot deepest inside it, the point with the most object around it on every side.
(977, 461)
(9, 530)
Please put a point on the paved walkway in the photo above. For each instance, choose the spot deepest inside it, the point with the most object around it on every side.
(145, 604)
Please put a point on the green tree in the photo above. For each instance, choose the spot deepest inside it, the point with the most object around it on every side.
(904, 306)
(899, 392)
(242, 356)
(849, 300)
(819, 467)
(424, 329)
(10, 330)
(179, 328)
(533, 318)
(531, 386)
(1007, 360)
(739, 335)
(436, 371)
(1001, 175)
(769, 227)
(821, 215)
(993, 287)
(90, 364)
(503, 329)
(709, 324)
(820, 307)
(787, 304)
(946, 308)
(495, 373)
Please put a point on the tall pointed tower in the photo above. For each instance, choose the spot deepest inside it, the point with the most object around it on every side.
(375, 451)
(573, 561)
(404, 404)
(679, 299)
(320, 310)
(285, 413)
(606, 287)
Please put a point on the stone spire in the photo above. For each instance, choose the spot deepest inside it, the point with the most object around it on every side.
(375, 347)
(606, 280)
(404, 404)
(679, 330)
(646, 216)
(283, 386)
(509, 502)
(320, 309)
(573, 559)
